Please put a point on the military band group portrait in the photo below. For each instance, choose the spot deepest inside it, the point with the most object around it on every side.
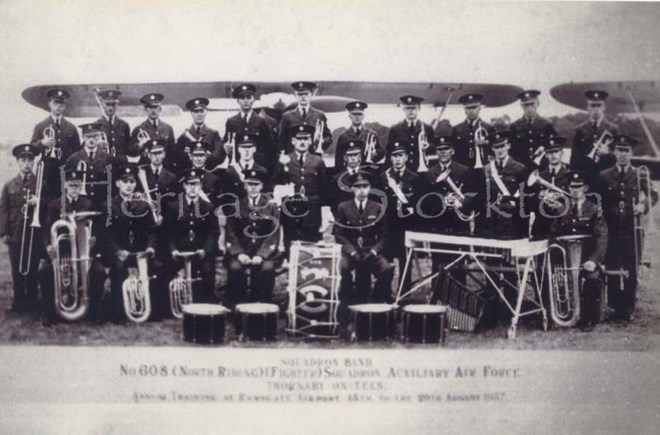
(108, 222)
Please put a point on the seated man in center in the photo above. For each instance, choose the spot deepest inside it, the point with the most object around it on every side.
(361, 229)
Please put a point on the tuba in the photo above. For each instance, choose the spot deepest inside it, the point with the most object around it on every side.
(181, 292)
(71, 264)
(564, 281)
(135, 290)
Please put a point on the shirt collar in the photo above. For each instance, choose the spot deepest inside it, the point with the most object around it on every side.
(56, 118)
(358, 202)
(504, 161)
(300, 109)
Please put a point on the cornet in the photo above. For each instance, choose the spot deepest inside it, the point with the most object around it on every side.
(135, 290)
(317, 140)
(53, 152)
(105, 145)
(82, 167)
(422, 145)
(602, 141)
(181, 292)
(370, 148)
(480, 136)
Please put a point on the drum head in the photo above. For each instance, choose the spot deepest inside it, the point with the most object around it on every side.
(425, 309)
(372, 308)
(204, 309)
(257, 308)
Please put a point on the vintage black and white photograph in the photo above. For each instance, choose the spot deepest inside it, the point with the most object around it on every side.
(345, 202)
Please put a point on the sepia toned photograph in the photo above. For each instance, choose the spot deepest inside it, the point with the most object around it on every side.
(408, 214)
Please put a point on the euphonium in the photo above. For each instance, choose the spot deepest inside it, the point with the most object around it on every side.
(564, 280)
(480, 135)
(135, 290)
(181, 292)
(71, 264)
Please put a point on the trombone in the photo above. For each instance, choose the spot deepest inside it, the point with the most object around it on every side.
(645, 197)
(371, 148)
(25, 258)
(317, 140)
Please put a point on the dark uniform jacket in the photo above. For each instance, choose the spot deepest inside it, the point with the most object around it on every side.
(294, 117)
(401, 131)
(11, 207)
(586, 218)
(191, 226)
(206, 134)
(544, 213)
(131, 226)
(310, 184)
(585, 136)
(119, 137)
(166, 185)
(340, 188)
(254, 230)
(162, 131)
(232, 179)
(266, 153)
(66, 137)
(360, 233)
(432, 204)
(351, 135)
(463, 136)
(527, 136)
(619, 195)
(97, 182)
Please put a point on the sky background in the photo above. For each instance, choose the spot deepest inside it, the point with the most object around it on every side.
(530, 44)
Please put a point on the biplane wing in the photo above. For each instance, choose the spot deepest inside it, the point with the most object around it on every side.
(623, 95)
(331, 96)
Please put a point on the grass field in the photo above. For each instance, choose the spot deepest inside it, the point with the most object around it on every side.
(640, 335)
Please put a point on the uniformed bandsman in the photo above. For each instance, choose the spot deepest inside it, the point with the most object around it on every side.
(373, 150)
(60, 208)
(582, 216)
(56, 139)
(412, 130)
(154, 128)
(591, 151)
(306, 172)
(193, 226)
(361, 229)
(117, 131)
(131, 229)
(471, 136)
(623, 204)
(340, 186)
(304, 114)
(546, 204)
(198, 132)
(252, 241)
(234, 177)
(502, 215)
(95, 164)
(442, 209)
(403, 188)
(210, 181)
(247, 122)
(530, 131)
(17, 206)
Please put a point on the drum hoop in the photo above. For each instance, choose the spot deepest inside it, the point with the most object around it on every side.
(425, 309)
(372, 308)
(204, 309)
(257, 308)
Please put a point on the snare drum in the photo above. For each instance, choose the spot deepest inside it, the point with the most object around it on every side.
(204, 323)
(373, 322)
(257, 322)
(424, 323)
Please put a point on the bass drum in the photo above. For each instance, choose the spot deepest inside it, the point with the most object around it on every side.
(424, 323)
(373, 322)
(257, 322)
(204, 323)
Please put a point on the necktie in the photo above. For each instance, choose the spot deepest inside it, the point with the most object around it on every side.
(199, 130)
(357, 131)
(157, 172)
(575, 209)
(304, 113)
(245, 118)
(91, 155)
(110, 120)
(154, 123)
(553, 173)
(57, 123)
(411, 127)
(361, 207)
(397, 177)
(301, 160)
(25, 179)
(499, 166)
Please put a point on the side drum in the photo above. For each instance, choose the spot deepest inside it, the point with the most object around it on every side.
(257, 322)
(204, 323)
(373, 322)
(424, 323)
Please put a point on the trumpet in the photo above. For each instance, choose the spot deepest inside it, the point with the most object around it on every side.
(53, 152)
(71, 264)
(564, 279)
(181, 292)
(135, 290)
(602, 141)
(27, 235)
(317, 140)
(550, 200)
(422, 145)
(370, 148)
(82, 167)
(480, 135)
